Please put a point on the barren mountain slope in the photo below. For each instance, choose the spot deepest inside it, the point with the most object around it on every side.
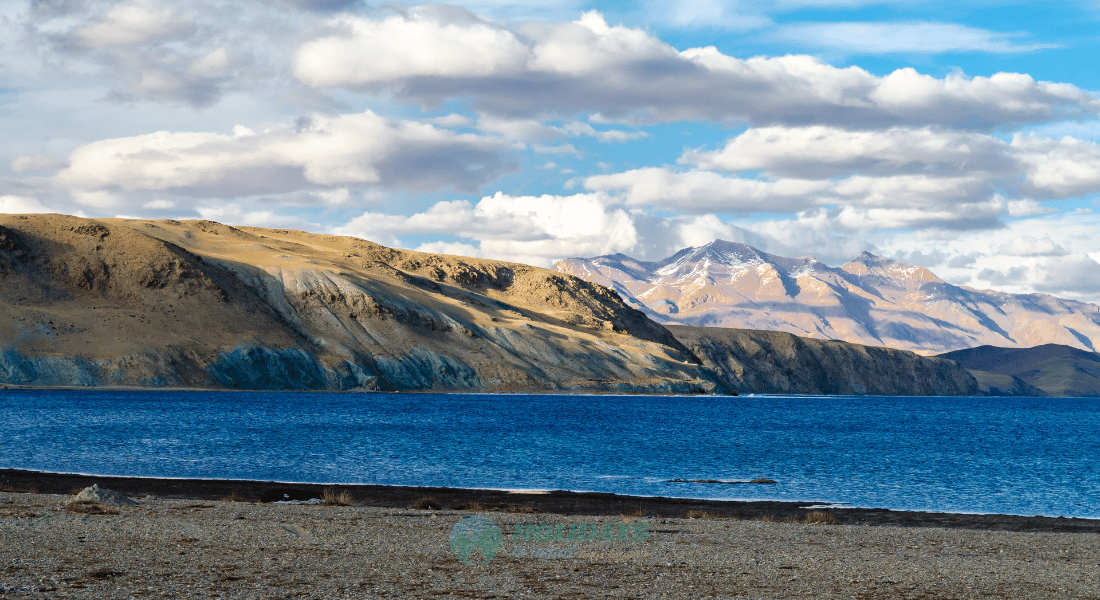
(870, 300)
(1053, 369)
(773, 362)
(199, 304)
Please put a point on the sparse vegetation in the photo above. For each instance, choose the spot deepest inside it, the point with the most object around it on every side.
(821, 518)
(637, 512)
(427, 503)
(525, 509)
(334, 498)
(474, 506)
(700, 514)
(232, 498)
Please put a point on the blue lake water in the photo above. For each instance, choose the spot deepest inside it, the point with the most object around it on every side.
(1024, 456)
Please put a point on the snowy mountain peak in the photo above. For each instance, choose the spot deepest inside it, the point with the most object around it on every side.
(870, 300)
(867, 264)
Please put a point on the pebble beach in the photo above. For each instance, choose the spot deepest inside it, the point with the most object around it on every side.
(168, 546)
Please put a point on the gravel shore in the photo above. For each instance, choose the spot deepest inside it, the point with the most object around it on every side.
(188, 548)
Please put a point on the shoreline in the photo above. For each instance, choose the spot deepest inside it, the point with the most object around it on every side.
(556, 502)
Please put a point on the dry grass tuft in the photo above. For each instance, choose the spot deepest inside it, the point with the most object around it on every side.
(333, 498)
(766, 519)
(821, 518)
(474, 506)
(427, 503)
(524, 509)
(232, 498)
(87, 507)
(637, 512)
(700, 514)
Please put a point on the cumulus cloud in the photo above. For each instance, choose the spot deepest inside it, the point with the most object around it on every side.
(820, 151)
(36, 162)
(1029, 246)
(325, 151)
(589, 66)
(535, 229)
(894, 178)
(707, 191)
(157, 50)
(21, 204)
(131, 23)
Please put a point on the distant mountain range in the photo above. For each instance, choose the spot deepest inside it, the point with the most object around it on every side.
(870, 300)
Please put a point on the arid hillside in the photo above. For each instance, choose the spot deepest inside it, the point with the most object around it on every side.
(200, 304)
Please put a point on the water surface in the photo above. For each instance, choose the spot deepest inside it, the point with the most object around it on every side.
(1023, 456)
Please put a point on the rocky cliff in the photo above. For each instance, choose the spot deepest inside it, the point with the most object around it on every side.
(870, 300)
(199, 304)
(773, 362)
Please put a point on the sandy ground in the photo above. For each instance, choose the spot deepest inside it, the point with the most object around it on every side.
(188, 548)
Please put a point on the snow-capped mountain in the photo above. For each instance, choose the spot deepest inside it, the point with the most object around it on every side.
(870, 300)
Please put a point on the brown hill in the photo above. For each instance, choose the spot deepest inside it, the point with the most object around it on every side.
(200, 304)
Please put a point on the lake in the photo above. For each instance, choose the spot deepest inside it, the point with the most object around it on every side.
(1025, 456)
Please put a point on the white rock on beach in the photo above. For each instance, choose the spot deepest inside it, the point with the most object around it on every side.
(102, 496)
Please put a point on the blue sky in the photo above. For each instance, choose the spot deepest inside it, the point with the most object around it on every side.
(962, 137)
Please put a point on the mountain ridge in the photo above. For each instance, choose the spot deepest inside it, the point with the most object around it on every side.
(202, 305)
(869, 300)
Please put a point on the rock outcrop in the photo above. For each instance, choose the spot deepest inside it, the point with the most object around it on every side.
(198, 304)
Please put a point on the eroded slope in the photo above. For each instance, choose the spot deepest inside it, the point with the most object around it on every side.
(200, 304)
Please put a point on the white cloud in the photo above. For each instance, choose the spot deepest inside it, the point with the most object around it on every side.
(1028, 208)
(626, 74)
(188, 53)
(898, 177)
(21, 204)
(1059, 168)
(36, 162)
(425, 41)
(1029, 246)
(820, 152)
(452, 248)
(919, 37)
(329, 151)
(130, 23)
(534, 229)
(707, 191)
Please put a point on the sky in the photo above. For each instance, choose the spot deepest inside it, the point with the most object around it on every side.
(959, 136)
